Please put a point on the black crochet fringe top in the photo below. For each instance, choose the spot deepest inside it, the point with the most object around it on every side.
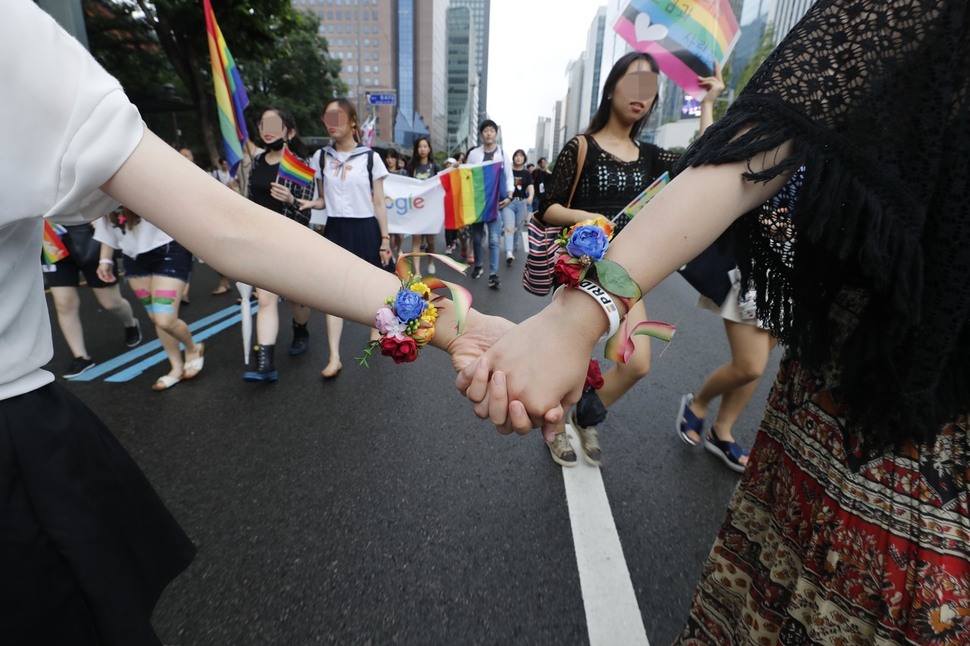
(873, 94)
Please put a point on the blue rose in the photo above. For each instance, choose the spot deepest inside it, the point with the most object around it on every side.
(589, 240)
(409, 305)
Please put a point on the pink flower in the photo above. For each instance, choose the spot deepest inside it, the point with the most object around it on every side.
(387, 322)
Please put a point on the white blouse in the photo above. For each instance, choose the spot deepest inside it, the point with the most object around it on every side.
(70, 127)
(143, 237)
(346, 188)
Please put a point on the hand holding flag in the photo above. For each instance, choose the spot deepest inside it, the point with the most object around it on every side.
(293, 168)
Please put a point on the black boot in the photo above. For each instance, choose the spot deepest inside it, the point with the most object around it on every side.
(265, 370)
(301, 339)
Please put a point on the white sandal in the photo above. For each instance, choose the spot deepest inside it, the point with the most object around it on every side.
(194, 367)
(165, 382)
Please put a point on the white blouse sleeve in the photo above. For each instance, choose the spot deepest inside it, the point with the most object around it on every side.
(68, 120)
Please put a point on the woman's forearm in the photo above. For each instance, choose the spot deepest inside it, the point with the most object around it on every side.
(680, 222)
(557, 214)
(241, 239)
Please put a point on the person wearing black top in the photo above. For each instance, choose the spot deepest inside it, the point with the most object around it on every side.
(277, 129)
(617, 168)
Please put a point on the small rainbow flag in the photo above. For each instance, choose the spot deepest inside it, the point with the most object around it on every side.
(685, 37)
(231, 98)
(54, 248)
(641, 200)
(472, 193)
(294, 169)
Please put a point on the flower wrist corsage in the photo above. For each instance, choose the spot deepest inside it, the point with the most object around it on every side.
(582, 264)
(406, 321)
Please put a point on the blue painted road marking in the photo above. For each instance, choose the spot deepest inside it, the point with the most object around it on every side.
(233, 312)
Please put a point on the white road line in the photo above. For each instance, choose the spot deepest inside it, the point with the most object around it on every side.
(612, 614)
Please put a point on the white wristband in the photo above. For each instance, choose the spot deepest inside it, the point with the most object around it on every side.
(106, 261)
(605, 301)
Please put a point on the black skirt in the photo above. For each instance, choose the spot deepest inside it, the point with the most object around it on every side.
(86, 545)
(359, 236)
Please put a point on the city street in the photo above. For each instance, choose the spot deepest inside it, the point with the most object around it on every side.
(375, 508)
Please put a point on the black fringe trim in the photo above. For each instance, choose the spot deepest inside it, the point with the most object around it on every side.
(851, 227)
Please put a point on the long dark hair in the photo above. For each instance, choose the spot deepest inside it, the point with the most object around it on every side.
(602, 116)
(416, 158)
(348, 107)
(289, 122)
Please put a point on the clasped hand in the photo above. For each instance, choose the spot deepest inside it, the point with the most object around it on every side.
(532, 374)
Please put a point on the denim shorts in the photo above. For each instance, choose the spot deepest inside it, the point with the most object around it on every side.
(172, 260)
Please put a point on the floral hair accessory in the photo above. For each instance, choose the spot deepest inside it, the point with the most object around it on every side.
(582, 256)
(406, 321)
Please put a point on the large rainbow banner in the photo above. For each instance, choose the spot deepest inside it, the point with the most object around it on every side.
(231, 97)
(685, 37)
(472, 193)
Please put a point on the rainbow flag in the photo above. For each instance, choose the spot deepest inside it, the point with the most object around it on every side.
(472, 193)
(684, 37)
(641, 200)
(231, 97)
(293, 169)
(54, 248)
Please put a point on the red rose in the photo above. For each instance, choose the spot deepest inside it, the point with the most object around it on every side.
(594, 378)
(402, 349)
(567, 273)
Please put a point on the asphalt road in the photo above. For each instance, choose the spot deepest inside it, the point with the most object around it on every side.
(375, 508)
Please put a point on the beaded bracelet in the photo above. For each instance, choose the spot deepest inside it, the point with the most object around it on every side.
(406, 321)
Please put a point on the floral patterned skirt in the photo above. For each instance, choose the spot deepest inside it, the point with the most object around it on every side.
(822, 544)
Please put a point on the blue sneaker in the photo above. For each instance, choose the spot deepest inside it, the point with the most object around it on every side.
(688, 421)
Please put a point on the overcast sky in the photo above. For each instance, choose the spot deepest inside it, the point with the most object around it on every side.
(530, 44)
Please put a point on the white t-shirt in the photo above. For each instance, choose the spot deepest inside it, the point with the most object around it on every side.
(346, 187)
(70, 128)
(143, 237)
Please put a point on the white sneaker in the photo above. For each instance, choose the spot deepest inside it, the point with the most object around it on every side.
(431, 268)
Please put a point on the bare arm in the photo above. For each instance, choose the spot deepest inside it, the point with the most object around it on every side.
(543, 361)
(241, 239)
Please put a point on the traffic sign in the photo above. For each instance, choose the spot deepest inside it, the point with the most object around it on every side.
(382, 98)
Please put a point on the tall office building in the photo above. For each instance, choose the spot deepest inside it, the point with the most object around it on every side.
(543, 145)
(557, 130)
(463, 79)
(574, 98)
(431, 68)
(592, 69)
(420, 79)
(481, 13)
(363, 37)
(782, 16)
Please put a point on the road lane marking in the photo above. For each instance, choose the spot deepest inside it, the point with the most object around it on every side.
(612, 613)
(233, 312)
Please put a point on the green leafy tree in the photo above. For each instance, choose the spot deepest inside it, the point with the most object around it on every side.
(267, 38)
(300, 76)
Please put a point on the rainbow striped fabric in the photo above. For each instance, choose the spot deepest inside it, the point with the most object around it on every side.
(231, 99)
(472, 194)
(294, 169)
(54, 248)
(685, 37)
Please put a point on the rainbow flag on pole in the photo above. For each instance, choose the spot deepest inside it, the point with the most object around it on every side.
(54, 248)
(472, 193)
(685, 37)
(231, 97)
(293, 169)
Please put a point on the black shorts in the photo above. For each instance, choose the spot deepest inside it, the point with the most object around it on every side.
(84, 252)
(172, 260)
